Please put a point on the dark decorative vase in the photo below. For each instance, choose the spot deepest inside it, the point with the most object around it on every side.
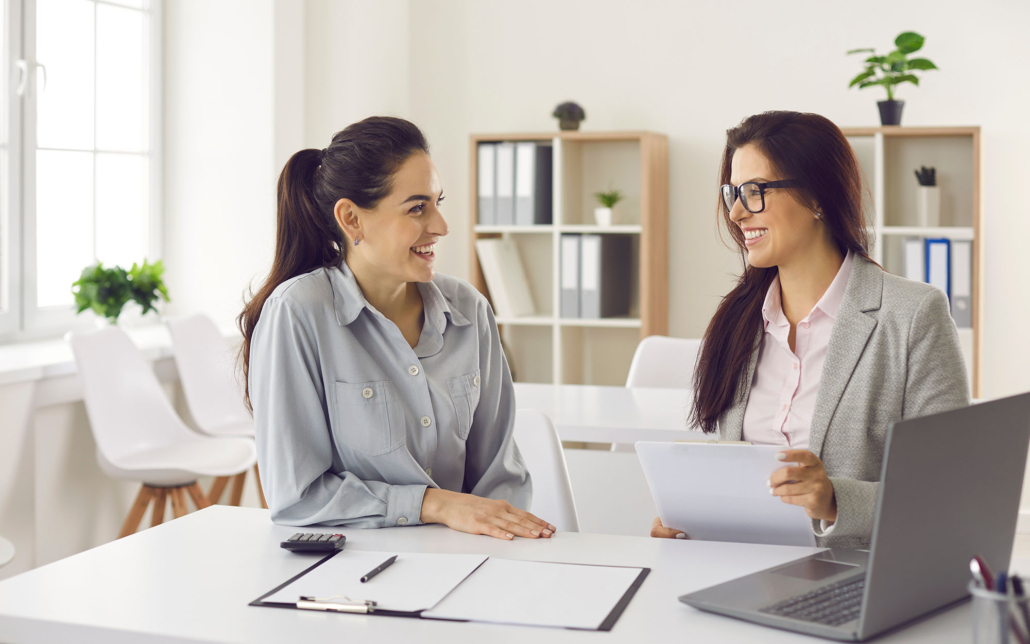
(890, 112)
(568, 124)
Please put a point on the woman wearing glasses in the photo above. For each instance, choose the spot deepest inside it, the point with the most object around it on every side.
(817, 348)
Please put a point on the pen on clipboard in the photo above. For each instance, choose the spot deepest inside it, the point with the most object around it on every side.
(378, 569)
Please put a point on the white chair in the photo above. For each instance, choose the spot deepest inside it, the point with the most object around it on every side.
(6, 552)
(206, 366)
(541, 448)
(138, 434)
(665, 362)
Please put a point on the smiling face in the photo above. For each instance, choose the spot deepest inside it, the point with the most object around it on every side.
(786, 228)
(398, 236)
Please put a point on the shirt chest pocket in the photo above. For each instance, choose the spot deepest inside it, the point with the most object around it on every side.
(367, 417)
(464, 392)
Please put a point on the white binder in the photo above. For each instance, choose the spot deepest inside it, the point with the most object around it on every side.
(486, 155)
(533, 164)
(962, 283)
(938, 264)
(604, 276)
(505, 184)
(505, 278)
(915, 262)
(570, 276)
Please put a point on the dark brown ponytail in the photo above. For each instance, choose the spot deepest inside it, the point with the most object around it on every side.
(807, 147)
(358, 165)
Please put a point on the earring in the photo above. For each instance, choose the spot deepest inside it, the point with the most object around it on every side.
(357, 240)
(818, 215)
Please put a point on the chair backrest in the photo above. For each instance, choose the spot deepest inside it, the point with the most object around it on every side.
(664, 362)
(127, 408)
(206, 369)
(541, 449)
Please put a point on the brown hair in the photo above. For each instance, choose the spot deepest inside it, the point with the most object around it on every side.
(812, 150)
(358, 165)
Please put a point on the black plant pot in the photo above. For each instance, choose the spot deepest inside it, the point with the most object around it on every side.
(568, 124)
(890, 112)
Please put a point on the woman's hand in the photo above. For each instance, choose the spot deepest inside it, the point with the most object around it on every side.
(477, 515)
(658, 531)
(806, 485)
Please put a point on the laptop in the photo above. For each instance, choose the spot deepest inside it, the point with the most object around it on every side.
(950, 490)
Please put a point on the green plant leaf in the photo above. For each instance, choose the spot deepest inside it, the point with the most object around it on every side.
(921, 63)
(905, 78)
(876, 60)
(860, 51)
(861, 77)
(879, 81)
(909, 42)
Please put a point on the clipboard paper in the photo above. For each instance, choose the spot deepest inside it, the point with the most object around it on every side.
(499, 591)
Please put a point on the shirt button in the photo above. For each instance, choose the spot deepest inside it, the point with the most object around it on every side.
(402, 521)
(429, 471)
(413, 370)
(367, 392)
(795, 366)
(784, 408)
(475, 381)
(426, 421)
(804, 325)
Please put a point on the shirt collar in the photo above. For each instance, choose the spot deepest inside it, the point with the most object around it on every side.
(348, 300)
(829, 303)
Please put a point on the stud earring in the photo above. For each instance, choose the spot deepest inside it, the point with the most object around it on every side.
(818, 215)
(357, 240)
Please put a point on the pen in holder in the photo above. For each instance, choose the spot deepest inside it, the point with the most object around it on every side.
(998, 618)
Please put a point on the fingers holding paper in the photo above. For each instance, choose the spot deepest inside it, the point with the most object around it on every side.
(804, 483)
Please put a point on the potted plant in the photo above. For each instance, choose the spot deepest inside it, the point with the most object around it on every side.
(928, 200)
(603, 215)
(106, 290)
(892, 70)
(569, 115)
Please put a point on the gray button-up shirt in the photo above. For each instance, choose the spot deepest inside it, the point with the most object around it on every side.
(353, 424)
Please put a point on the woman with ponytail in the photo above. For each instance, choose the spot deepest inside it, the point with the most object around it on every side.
(817, 348)
(380, 393)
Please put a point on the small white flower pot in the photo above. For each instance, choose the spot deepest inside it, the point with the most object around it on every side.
(603, 216)
(928, 206)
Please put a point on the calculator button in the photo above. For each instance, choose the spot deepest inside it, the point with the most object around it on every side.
(335, 538)
(323, 537)
(296, 536)
(307, 537)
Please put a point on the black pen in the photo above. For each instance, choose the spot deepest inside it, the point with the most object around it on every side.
(378, 569)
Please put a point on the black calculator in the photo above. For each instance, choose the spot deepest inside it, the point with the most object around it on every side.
(317, 542)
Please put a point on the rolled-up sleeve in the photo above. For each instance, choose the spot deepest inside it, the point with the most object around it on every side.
(494, 467)
(294, 443)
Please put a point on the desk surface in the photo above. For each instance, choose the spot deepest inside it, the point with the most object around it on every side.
(190, 580)
(600, 414)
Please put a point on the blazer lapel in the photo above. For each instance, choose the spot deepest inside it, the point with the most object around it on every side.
(851, 331)
(731, 425)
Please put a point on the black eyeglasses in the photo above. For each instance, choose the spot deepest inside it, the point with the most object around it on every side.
(751, 194)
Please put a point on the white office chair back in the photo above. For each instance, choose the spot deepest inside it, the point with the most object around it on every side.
(664, 362)
(127, 408)
(541, 449)
(206, 364)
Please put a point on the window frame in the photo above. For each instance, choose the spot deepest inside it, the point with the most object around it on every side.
(31, 321)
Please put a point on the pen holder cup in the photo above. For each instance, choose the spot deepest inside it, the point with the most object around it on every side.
(996, 615)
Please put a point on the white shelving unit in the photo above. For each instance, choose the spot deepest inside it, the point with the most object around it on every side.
(889, 156)
(545, 347)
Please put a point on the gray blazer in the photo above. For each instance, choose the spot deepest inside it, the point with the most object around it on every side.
(894, 353)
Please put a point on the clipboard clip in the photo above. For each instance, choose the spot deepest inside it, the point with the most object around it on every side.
(307, 602)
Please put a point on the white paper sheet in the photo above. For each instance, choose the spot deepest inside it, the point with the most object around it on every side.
(415, 581)
(532, 593)
(719, 493)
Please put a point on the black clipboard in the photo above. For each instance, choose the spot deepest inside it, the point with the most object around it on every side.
(606, 625)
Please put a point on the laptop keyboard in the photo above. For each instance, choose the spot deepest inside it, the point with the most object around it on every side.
(832, 605)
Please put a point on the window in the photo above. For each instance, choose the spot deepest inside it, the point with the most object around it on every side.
(89, 152)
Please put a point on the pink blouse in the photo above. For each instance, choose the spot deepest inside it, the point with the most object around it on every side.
(786, 383)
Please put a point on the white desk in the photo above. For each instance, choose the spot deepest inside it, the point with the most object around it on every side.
(190, 580)
(599, 414)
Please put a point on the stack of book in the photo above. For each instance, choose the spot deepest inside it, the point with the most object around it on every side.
(595, 276)
(514, 183)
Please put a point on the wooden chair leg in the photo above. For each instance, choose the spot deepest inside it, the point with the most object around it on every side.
(178, 502)
(261, 492)
(197, 495)
(215, 493)
(237, 488)
(160, 496)
(139, 507)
